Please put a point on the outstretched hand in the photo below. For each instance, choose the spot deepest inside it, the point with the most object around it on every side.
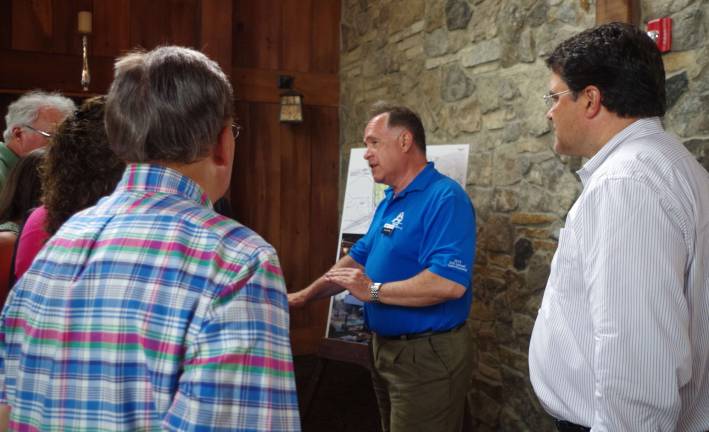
(353, 280)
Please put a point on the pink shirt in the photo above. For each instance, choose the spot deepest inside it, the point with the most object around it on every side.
(31, 240)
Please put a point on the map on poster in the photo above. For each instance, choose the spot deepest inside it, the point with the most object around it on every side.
(362, 195)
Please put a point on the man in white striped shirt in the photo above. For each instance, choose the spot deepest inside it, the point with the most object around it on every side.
(621, 341)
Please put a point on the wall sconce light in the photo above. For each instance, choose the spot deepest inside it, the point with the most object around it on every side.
(291, 101)
(85, 27)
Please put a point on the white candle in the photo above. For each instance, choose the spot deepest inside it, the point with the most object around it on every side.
(85, 22)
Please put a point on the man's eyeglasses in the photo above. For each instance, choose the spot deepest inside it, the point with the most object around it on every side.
(39, 131)
(236, 129)
(551, 99)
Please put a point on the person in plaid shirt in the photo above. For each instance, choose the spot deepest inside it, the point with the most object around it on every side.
(149, 311)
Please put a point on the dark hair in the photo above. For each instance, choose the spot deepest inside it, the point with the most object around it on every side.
(80, 167)
(168, 104)
(404, 117)
(622, 61)
(22, 190)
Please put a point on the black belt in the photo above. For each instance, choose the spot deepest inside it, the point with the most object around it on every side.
(564, 426)
(411, 336)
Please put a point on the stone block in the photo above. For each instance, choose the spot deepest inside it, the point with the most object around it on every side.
(500, 260)
(526, 49)
(538, 270)
(506, 200)
(539, 233)
(686, 118)
(675, 86)
(509, 167)
(496, 234)
(482, 311)
(458, 14)
(480, 169)
(522, 218)
(494, 120)
(435, 16)
(436, 43)
(456, 85)
(659, 8)
(523, 251)
(513, 359)
(522, 324)
(482, 52)
(484, 408)
(688, 30)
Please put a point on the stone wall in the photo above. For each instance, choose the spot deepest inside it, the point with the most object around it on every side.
(474, 71)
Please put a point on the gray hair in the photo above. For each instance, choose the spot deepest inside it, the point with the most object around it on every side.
(168, 104)
(25, 110)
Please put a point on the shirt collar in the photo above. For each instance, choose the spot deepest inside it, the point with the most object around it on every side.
(644, 126)
(160, 179)
(420, 182)
(10, 157)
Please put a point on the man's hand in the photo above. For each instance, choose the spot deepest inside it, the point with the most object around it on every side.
(353, 280)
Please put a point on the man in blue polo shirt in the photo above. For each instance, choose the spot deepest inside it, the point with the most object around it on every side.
(413, 270)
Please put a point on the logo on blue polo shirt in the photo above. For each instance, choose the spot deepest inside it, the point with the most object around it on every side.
(395, 223)
(457, 265)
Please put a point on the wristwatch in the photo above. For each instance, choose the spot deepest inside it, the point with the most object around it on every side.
(374, 292)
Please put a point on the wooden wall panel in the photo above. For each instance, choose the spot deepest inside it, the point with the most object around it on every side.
(111, 22)
(326, 37)
(215, 31)
(297, 33)
(160, 22)
(308, 325)
(295, 248)
(65, 36)
(257, 33)
(32, 27)
(5, 24)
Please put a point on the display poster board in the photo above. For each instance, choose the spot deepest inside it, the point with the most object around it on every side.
(362, 195)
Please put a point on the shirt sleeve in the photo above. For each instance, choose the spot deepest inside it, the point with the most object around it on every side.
(634, 269)
(31, 241)
(239, 372)
(448, 245)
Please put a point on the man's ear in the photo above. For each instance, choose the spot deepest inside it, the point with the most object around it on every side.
(406, 140)
(223, 151)
(592, 97)
(15, 143)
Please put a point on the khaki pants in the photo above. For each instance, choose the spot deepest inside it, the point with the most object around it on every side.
(421, 384)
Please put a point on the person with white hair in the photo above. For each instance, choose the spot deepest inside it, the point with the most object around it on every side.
(30, 122)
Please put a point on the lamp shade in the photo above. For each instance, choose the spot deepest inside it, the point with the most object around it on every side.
(291, 107)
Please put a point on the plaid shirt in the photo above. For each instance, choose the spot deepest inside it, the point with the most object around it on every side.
(149, 311)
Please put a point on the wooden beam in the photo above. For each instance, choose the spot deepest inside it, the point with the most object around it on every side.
(627, 11)
(25, 70)
(261, 85)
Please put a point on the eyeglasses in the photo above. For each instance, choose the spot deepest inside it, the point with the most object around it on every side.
(39, 131)
(551, 99)
(236, 129)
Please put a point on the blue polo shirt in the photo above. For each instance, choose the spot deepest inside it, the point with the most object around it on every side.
(429, 225)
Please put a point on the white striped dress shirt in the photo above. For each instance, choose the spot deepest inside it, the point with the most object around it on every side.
(621, 341)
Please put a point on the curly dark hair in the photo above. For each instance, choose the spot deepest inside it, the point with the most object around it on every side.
(22, 189)
(622, 61)
(80, 167)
